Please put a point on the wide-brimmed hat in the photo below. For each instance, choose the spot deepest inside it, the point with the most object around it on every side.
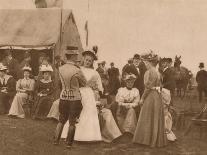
(45, 68)
(91, 53)
(3, 67)
(136, 56)
(71, 50)
(27, 68)
(130, 77)
(150, 57)
(201, 65)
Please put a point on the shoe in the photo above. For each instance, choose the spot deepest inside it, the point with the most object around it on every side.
(55, 143)
(69, 146)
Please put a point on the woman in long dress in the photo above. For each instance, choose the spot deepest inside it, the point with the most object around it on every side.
(150, 128)
(24, 88)
(44, 89)
(88, 128)
(127, 99)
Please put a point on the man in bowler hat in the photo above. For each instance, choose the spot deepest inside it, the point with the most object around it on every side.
(70, 98)
(201, 79)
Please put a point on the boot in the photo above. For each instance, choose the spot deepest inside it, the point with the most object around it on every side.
(58, 133)
(70, 137)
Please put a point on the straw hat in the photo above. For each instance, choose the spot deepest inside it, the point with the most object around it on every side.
(45, 68)
(130, 77)
(150, 57)
(3, 67)
(27, 68)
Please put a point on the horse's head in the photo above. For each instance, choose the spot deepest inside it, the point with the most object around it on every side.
(177, 62)
(161, 64)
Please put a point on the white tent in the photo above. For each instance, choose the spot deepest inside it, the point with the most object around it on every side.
(17, 4)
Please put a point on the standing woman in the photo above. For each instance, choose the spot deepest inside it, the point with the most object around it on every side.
(44, 89)
(89, 128)
(24, 88)
(150, 128)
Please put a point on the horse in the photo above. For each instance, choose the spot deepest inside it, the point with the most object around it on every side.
(182, 77)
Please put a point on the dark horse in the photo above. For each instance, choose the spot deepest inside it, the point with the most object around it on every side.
(182, 77)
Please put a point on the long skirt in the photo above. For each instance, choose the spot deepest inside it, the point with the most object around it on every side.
(88, 128)
(54, 111)
(150, 128)
(109, 128)
(126, 119)
(17, 105)
(42, 107)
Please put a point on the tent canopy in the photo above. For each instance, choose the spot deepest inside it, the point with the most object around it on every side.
(34, 28)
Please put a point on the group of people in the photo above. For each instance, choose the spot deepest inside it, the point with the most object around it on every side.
(138, 104)
(19, 87)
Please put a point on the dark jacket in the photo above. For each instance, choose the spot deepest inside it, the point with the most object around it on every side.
(169, 79)
(114, 83)
(13, 67)
(201, 78)
(139, 83)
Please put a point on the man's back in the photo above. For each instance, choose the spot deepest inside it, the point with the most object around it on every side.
(71, 79)
(201, 77)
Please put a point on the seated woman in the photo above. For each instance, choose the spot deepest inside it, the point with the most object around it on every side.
(24, 88)
(89, 117)
(127, 99)
(44, 89)
(166, 100)
(7, 89)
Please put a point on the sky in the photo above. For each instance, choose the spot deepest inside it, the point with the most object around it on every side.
(122, 28)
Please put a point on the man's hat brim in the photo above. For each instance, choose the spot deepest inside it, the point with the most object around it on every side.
(90, 53)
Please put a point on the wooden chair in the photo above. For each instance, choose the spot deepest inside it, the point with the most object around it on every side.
(199, 123)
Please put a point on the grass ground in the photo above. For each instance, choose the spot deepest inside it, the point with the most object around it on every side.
(30, 137)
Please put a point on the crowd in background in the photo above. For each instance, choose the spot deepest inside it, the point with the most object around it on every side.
(135, 101)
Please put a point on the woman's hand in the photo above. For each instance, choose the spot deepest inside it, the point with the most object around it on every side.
(141, 102)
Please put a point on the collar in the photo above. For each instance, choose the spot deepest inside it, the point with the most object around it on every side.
(46, 81)
(128, 88)
(165, 69)
(70, 62)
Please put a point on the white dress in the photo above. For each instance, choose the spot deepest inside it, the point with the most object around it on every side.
(126, 115)
(88, 128)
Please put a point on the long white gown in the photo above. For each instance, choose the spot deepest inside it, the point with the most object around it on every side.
(88, 128)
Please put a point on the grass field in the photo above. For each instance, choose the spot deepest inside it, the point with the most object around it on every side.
(28, 137)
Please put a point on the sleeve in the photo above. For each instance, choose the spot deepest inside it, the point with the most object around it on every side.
(119, 97)
(137, 96)
(81, 78)
(18, 88)
(147, 83)
(99, 82)
(11, 86)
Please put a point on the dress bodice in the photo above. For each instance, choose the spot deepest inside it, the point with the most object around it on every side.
(45, 87)
(152, 78)
(127, 96)
(24, 83)
(92, 78)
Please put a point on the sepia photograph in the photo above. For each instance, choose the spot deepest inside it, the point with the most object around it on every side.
(103, 77)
